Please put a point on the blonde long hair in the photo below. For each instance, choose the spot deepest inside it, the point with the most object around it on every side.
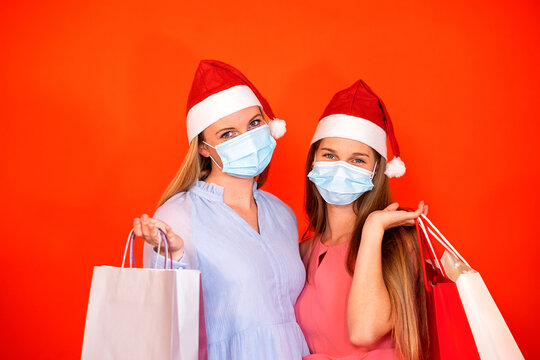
(195, 167)
(400, 260)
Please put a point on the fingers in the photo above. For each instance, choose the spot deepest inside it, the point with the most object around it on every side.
(413, 215)
(392, 207)
(176, 243)
(153, 230)
(408, 217)
(170, 234)
(420, 210)
(137, 227)
(145, 228)
(392, 216)
(409, 220)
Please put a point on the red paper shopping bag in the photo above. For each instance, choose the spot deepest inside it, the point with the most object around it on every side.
(450, 335)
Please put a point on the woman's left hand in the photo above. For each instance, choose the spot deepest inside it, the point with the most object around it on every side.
(391, 217)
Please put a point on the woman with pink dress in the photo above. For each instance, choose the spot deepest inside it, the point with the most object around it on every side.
(363, 298)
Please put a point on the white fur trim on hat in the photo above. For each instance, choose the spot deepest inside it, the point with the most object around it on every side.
(395, 168)
(219, 105)
(278, 128)
(354, 128)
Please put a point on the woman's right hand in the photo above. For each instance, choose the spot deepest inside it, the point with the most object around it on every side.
(391, 217)
(147, 228)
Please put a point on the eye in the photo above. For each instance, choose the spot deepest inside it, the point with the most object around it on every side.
(254, 123)
(358, 161)
(226, 135)
(329, 156)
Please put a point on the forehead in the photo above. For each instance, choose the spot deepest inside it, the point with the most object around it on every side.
(238, 118)
(345, 145)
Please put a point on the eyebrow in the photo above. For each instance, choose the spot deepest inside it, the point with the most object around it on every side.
(227, 129)
(232, 128)
(328, 149)
(253, 118)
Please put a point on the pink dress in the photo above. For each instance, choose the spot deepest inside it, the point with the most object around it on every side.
(321, 308)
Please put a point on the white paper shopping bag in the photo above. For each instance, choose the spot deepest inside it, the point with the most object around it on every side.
(142, 314)
(491, 334)
(492, 337)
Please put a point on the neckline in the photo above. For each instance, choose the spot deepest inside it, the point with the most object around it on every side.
(319, 240)
(214, 192)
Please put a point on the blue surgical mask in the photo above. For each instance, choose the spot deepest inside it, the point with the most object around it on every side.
(339, 182)
(246, 155)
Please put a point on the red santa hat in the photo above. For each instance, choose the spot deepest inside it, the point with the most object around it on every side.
(357, 113)
(219, 90)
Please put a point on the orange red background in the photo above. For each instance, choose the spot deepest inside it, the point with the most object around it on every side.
(92, 109)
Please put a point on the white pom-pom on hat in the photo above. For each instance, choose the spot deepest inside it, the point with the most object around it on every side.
(395, 168)
(278, 128)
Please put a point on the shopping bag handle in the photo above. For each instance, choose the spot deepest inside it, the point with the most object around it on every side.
(431, 251)
(443, 241)
(425, 243)
(129, 244)
(421, 248)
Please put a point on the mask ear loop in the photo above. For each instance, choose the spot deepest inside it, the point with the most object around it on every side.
(373, 172)
(219, 167)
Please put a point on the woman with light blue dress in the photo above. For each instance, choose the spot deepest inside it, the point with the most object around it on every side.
(242, 239)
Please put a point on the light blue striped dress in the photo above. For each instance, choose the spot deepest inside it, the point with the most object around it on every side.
(250, 281)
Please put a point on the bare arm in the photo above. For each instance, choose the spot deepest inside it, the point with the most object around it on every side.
(369, 308)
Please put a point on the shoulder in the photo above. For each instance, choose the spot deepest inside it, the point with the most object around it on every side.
(176, 209)
(277, 205)
(177, 212)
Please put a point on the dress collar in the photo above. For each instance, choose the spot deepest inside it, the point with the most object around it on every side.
(326, 247)
(214, 192)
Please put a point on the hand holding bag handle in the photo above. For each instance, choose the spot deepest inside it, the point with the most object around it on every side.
(163, 238)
